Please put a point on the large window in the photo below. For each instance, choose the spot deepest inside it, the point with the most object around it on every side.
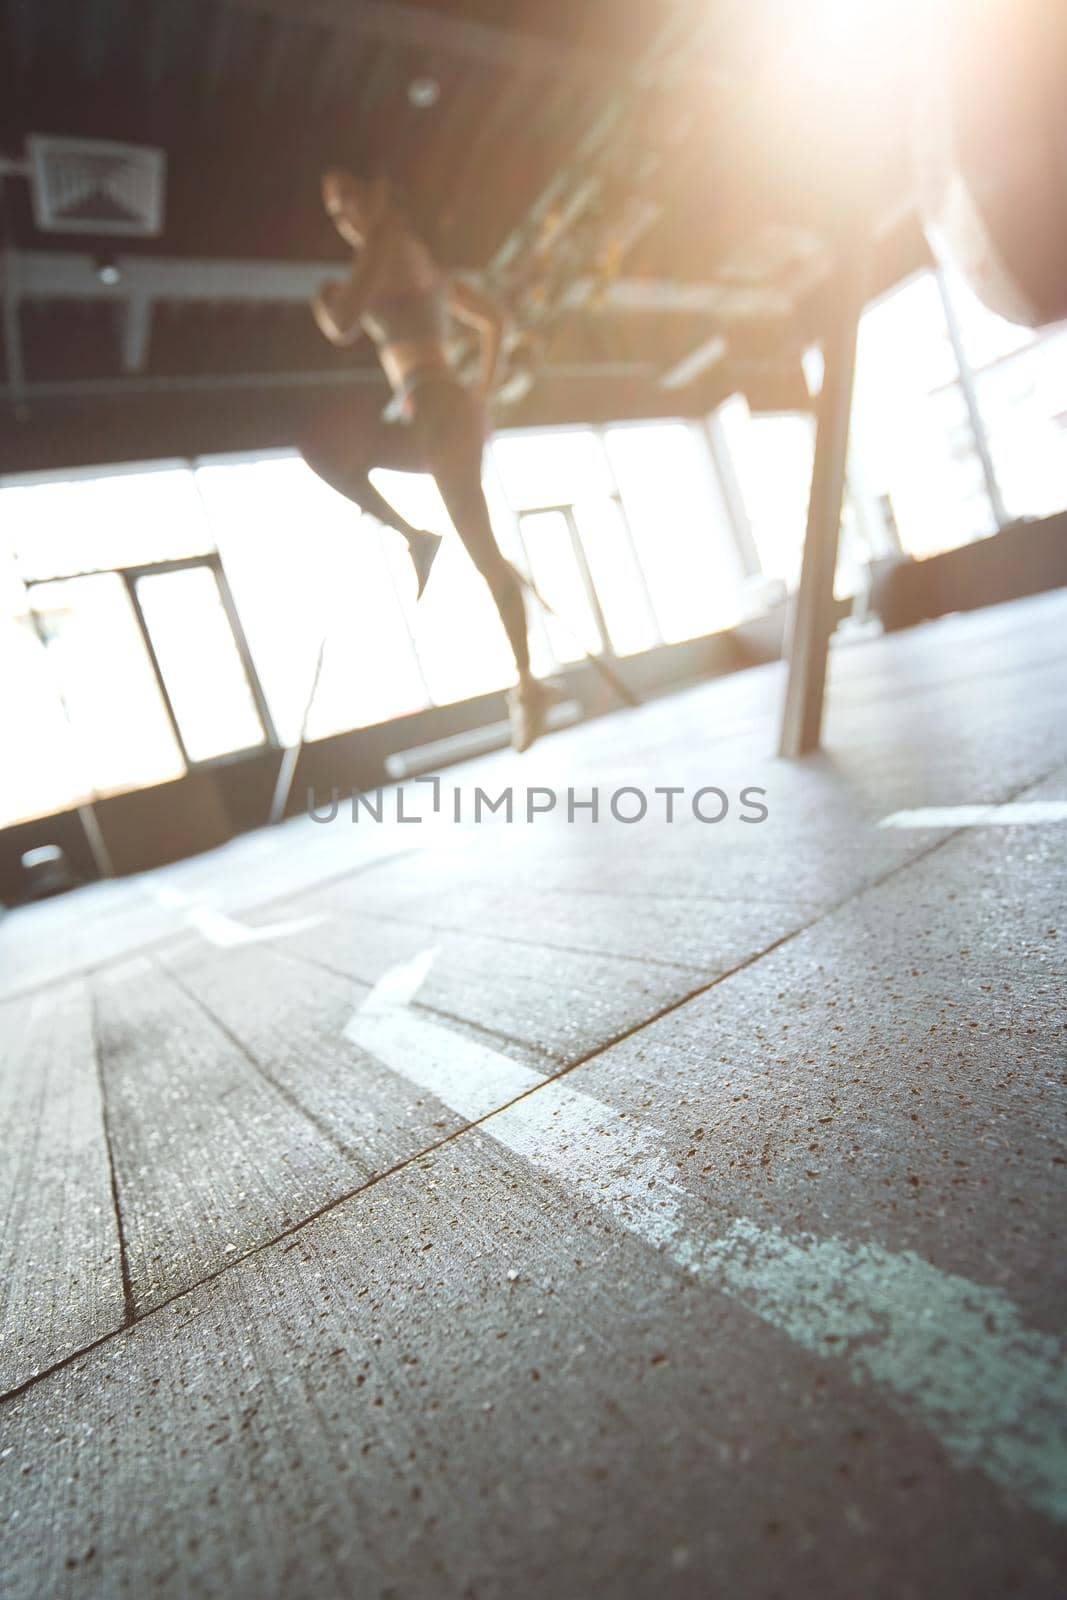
(92, 653)
(460, 646)
(911, 427)
(192, 639)
(42, 771)
(160, 618)
(919, 440)
(156, 618)
(634, 513)
(92, 522)
(1020, 379)
(307, 572)
(680, 524)
(916, 479)
(772, 456)
(122, 652)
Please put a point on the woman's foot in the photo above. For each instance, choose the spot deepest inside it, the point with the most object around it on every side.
(423, 548)
(528, 705)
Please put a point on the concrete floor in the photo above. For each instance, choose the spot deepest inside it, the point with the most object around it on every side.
(566, 1209)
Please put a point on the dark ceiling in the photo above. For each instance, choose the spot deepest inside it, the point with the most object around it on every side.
(720, 150)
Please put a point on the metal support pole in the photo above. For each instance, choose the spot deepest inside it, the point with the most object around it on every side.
(606, 646)
(129, 578)
(811, 615)
(248, 666)
(283, 783)
(628, 533)
(722, 466)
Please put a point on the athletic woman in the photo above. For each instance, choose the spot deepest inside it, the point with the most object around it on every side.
(396, 294)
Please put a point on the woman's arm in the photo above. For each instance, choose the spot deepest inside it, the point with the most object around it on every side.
(328, 316)
(338, 306)
(485, 316)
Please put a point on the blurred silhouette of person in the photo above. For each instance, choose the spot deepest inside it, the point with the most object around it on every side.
(396, 294)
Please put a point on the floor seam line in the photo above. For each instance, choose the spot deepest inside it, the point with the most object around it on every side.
(280, 1089)
(400, 1166)
(515, 938)
(478, 1122)
(128, 1299)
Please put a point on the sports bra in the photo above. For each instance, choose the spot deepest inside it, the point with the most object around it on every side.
(415, 313)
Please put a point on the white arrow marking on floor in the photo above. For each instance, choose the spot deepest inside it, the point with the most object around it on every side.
(227, 932)
(1017, 814)
(956, 1353)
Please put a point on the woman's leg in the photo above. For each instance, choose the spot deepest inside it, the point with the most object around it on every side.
(344, 449)
(450, 427)
(449, 430)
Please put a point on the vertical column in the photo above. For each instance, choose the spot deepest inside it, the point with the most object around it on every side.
(9, 305)
(811, 615)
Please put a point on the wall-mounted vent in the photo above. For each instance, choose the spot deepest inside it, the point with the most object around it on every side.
(95, 186)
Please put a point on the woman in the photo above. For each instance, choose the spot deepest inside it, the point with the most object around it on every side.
(397, 296)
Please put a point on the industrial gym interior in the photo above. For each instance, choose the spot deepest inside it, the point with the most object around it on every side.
(583, 1128)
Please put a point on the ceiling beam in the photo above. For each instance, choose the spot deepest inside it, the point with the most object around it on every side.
(190, 383)
(426, 30)
(9, 301)
(328, 378)
(143, 281)
(73, 275)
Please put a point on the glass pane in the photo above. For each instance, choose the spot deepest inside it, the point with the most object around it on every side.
(986, 336)
(303, 565)
(853, 554)
(1023, 401)
(121, 519)
(506, 525)
(617, 577)
(554, 468)
(121, 733)
(1021, 383)
(42, 770)
(201, 667)
(910, 426)
(557, 577)
(370, 673)
(905, 335)
(679, 525)
(772, 457)
(458, 635)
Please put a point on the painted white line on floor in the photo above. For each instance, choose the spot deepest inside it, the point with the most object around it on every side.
(467, 1076)
(170, 899)
(1017, 814)
(226, 932)
(956, 1353)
